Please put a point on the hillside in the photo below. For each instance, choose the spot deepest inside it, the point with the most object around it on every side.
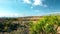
(23, 26)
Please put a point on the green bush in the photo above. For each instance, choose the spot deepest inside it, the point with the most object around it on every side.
(46, 25)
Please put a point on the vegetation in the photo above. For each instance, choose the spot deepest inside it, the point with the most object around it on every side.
(46, 25)
(7, 26)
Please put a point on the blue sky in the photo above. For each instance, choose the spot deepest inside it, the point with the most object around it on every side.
(18, 8)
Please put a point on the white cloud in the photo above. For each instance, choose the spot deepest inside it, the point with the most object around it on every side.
(7, 13)
(55, 12)
(27, 1)
(37, 2)
(10, 15)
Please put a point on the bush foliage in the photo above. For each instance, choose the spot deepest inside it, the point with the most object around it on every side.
(46, 25)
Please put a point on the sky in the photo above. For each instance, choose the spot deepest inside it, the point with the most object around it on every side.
(19, 8)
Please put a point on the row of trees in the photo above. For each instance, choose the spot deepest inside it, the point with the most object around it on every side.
(46, 25)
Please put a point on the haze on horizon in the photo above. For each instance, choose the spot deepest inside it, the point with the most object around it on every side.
(18, 8)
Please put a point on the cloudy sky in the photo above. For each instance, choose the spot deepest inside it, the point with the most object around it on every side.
(15, 8)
